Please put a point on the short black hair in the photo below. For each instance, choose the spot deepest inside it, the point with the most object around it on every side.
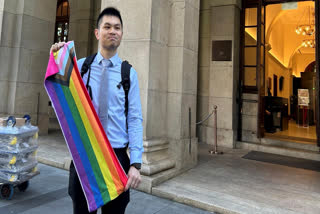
(109, 11)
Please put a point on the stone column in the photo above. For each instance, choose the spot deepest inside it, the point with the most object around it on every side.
(203, 108)
(1, 16)
(83, 17)
(27, 31)
(182, 82)
(163, 50)
(224, 75)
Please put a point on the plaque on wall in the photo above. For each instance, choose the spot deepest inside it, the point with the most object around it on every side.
(221, 50)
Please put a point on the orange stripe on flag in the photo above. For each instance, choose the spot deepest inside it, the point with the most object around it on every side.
(100, 138)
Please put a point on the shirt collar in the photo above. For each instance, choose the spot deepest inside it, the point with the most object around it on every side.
(115, 59)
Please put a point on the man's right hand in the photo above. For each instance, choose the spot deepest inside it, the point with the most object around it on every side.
(56, 46)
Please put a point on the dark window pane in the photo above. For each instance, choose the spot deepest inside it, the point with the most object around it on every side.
(65, 9)
(250, 76)
(62, 21)
(250, 36)
(251, 16)
(59, 10)
(250, 56)
(59, 31)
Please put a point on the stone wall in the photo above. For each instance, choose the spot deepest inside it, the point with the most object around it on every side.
(27, 31)
(249, 118)
(83, 17)
(161, 41)
(203, 108)
(218, 80)
(182, 81)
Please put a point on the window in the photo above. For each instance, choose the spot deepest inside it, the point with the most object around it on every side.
(253, 48)
(62, 21)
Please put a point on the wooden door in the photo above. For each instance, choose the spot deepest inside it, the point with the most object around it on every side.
(261, 66)
(317, 37)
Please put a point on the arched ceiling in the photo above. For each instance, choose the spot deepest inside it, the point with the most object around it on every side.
(289, 19)
(299, 15)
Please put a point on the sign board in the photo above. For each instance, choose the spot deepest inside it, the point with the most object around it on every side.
(221, 50)
(303, 97)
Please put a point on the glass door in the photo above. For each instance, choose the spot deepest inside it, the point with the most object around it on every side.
(253, 55)
(317, 35)
(261, 66)
(252, 78)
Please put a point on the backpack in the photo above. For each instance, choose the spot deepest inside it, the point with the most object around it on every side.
(125, 78)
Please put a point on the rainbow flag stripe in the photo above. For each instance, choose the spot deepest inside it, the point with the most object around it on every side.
(101, 176)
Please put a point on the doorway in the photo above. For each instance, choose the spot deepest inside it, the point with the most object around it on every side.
(285, 50)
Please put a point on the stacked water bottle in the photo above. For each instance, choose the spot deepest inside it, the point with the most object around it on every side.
(18, 148)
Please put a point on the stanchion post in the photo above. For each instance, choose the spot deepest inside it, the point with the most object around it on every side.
(215, 151)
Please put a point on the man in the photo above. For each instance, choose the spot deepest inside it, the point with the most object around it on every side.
(122, 131)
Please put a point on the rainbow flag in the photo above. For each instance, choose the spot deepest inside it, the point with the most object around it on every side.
(101, 176)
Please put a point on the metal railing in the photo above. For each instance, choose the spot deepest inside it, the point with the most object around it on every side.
(214, 150)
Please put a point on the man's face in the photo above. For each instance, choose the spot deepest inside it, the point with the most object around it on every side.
(109, 33)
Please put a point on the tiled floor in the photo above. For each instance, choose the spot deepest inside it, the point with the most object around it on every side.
(297, 132)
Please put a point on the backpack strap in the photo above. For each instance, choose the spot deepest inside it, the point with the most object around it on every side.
(125, 82)
(84, 69)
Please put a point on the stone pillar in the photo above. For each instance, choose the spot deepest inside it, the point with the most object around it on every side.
(83, 17)
(224, 75)
(1, 16)
(27, 31)
(163, 50)
(203, 108)
(182, 82)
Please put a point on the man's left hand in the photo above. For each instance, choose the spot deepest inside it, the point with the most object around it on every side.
(134, 178)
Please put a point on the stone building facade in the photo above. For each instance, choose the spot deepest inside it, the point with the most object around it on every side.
(169, 42)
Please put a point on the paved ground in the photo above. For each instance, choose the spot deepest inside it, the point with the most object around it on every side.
(222, 183)
(47, 194)
(230, 184)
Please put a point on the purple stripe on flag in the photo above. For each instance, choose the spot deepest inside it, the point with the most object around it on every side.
(71, 143)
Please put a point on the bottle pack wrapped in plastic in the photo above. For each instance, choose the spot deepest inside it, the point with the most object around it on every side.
(15, 161)
(18, 148)
(18, 176)
(18, 167)
(18, 139)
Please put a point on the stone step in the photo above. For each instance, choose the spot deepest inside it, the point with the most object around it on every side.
(147, 182)
(280, 149)
(291, 138)
(156, 167)
(196, 197)
(290, 143)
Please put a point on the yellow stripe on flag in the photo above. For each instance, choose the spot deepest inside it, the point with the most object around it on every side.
(101, 138)
(94, 143)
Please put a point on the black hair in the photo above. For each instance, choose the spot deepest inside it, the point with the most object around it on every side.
(109, 11)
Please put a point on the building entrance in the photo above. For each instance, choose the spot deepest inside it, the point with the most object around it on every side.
(280, 65)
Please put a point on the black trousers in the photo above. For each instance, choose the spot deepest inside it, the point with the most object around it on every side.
(116, 206)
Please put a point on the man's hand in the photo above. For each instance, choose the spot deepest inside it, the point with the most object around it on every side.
(134, 178)
(55, 47)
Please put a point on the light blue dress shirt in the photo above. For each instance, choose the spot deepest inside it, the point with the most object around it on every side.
(115, 127)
